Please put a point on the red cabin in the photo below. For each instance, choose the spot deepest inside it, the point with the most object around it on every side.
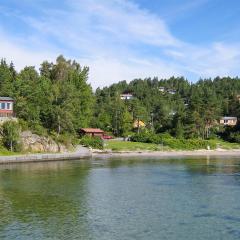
(93, 132)
(6, 107)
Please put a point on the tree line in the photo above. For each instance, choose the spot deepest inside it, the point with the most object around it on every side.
(174, 105)
(58, 99)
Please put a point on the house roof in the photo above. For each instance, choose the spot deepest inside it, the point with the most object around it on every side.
(229, 118)
(6, 99)
(126, 94)
(92, 130)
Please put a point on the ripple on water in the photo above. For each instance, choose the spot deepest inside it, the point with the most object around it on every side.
(175, 200)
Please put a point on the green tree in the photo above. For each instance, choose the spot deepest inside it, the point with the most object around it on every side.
(126, 123)
(10, 135)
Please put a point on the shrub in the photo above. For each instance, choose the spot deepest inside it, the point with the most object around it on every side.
(66, 139)
(146, 137)
(23, 124)
(39, 130)
(188, 144)
(94, 142)
(235, 137)
(167, 140)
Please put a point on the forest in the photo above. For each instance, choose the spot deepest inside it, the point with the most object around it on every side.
(58, 100)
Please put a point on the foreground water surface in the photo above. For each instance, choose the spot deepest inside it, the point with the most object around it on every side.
(121, 199)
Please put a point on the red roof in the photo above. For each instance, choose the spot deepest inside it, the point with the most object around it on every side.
(92, 130)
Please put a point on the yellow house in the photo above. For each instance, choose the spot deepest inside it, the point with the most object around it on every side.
(139, 124)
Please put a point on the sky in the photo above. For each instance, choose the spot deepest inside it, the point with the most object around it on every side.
(125, 39)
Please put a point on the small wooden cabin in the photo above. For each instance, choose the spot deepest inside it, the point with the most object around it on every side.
(92, 132)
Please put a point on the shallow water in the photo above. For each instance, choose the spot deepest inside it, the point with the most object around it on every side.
(121, 199)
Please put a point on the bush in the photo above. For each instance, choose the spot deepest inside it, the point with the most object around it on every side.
(94, 142)
(174, 143)
(23, 125)
(188, 144)
(235, 137)
(39, 130)
(68, 140)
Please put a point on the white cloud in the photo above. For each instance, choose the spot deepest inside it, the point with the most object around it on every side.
(118, 40)
(22, 56)
(104, 71)
(217, 59)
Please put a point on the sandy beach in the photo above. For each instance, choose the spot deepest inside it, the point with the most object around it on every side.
(83, 153)
(217, 153)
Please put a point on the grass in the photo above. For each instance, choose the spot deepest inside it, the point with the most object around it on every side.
(5, 152)
(133, 146)
(225, 145)
(138, 146)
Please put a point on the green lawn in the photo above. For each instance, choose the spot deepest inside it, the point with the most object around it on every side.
(5, 152)
(137, 146)
(133, 146)
(225, 145)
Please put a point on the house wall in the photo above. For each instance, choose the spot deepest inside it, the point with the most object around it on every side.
(6, 106)
(97, 134)
(92, 134)
(126, 97)
(228, 122)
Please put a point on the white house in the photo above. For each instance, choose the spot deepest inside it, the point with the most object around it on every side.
(126, 96)
(161, 89)
(228, 121)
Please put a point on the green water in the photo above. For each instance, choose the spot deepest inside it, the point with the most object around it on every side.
(121, 199)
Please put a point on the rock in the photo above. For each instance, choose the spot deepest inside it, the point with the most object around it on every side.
(35, 143)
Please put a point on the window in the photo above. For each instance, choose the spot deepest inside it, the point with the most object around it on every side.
(225, 121)
(2, 105)
(8, 106)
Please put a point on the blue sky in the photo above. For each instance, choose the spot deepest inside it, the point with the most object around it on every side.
(125, 39)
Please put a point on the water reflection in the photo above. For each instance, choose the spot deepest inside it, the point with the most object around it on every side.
(46, 196)
(201, 165)
(175, 198)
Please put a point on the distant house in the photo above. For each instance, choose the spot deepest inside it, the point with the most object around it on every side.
(92, 132)
(139, 124)
(171, 91)
(6, 109)
(126, 96)
(161, 89)
(228, 121)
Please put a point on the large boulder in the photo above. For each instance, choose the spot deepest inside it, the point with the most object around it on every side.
(35, 143)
